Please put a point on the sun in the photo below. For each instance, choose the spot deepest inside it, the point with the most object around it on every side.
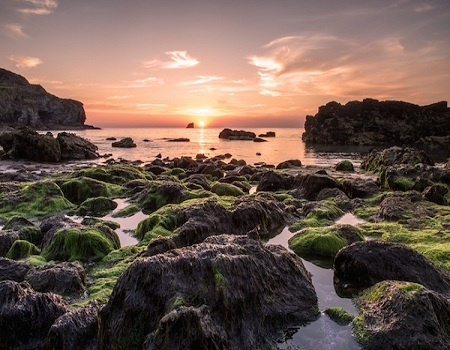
(201, 123)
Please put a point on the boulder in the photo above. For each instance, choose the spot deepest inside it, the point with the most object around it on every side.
(310, 185)
(25, 104)
(76, 330)
(179, 139)
(239, 135)
(26, 316)
(64, 278)
(273, 181)
(363, 264)
(268, 134)
(288, 164)
(373, 122)
(402, 315)
(344, 165)
(436, 194)
(13, 270)
(74, 147)
(126, 142)
(229, 292)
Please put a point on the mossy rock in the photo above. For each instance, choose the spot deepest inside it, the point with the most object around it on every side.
(318, 214)
(82, 244)
(118, 174)
(99, 206)
(345, 165)
(79, 189)
(339, 315)
(400, 183)
(31, 234)
(159, 223)
(129, 210)
(37, 199)
(22, 249)
(225, 189)
(16, 223)
(160, 193)
(324, 242)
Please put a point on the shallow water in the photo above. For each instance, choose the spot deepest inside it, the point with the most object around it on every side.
(322, 334)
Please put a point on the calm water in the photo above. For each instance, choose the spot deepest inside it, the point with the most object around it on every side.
(286, 145)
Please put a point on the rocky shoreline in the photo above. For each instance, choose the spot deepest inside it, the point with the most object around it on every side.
(201, 275)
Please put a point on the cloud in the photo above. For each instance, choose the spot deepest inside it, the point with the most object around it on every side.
(119, 97)
(150, 81)
(25, 61)
(15, 30)
(320, 64)
(178, 59)
(202, 79)
(423, 8)
(38, 7)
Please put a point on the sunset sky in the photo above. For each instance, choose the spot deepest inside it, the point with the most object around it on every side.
(228, 63)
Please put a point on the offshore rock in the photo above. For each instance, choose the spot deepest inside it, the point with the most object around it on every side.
(26, 316)
(127, 142)
(373, 122)
(363, 264)
(228, 292)
(237, 135)
(25, 104)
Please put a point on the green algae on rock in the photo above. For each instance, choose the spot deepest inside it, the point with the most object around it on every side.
(22, 249)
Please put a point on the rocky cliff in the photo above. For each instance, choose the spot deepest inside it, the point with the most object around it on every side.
(373, 122)
(25, 104)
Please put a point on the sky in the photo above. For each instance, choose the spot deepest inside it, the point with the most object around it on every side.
(227, 63)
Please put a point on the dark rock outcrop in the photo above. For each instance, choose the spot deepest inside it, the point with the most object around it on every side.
(26, 316)
(373, 122)
(363, 264)
(11, 270)
(25, 104)
(240, 135)
(225, 293)
(190, 126)
(27, 144)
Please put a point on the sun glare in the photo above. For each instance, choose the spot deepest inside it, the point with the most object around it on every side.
(201, 123)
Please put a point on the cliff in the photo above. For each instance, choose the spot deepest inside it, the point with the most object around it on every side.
(373, 122)
(25, 104)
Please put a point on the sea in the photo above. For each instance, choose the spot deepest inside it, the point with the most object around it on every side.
(286, 145)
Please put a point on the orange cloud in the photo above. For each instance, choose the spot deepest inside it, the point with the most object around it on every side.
(179, 59)
(25, 61)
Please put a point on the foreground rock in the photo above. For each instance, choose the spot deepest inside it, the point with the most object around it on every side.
(402, 315)
(26, 316)
(225, 293)
(373, 122)
(364, 264)
(25, 104)
(26, 144)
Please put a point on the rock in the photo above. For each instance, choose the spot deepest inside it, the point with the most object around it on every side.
(16, 223)
(13, 270)
(378, 160)
(127, 142)
(198, 180)
(395, 208)
(402, 315)
(7, 238)
(360, 188)
(24, 143)
(74, 147)
(24, 104)
(26, 316)
(363, 264)
(98, 206)
(159, 193)
(63, 278)
(288, 164)
(76, 329)
(240, 282)
(274, 181)
(311, 184)
(190, 126)
(239, 135)
(259, 139)
(436, 194)
(22, 249)
(111, 139)
(268, 134)
(179, 139)
(344, 165)
(373, 122)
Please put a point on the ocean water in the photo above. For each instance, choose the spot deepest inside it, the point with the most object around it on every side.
(286, 145)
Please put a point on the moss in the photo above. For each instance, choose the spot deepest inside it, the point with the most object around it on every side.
(225, 189)
(115, 174)
(323, 213)
(79, 189)
(360, 332)
(36, 260)
(345, 165)
(401, 183)
(339, 315)
(98, 206)
(37, 199)
(31, 234)
(17, 222)
(22, 249)
(78, 244)
(410, 288)
(160, 223)
(129, 210)
(219, 279)
(323, 241)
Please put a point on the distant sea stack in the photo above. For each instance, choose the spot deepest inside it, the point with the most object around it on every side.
(190, 126)
(373, 122)
(25, 104)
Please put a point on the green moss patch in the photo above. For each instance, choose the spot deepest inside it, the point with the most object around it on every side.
(83, 244)
(22, 249)
(225, 189)
(98, 206)
(339, 315)
(79, 189)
